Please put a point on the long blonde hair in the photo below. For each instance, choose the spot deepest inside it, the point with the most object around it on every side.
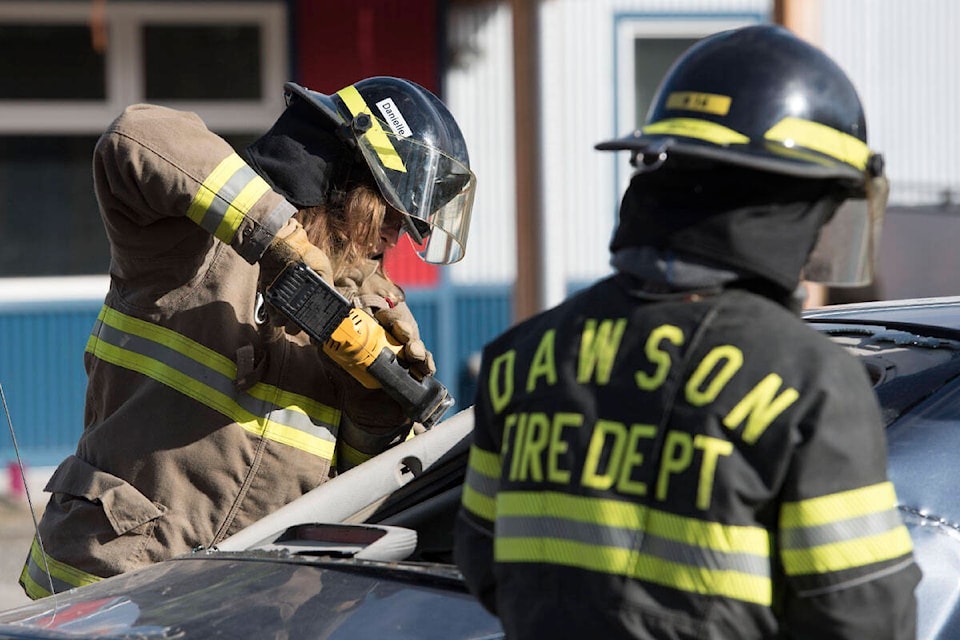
(347, 227)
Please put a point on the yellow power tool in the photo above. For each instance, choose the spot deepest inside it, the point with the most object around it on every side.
(356, 342)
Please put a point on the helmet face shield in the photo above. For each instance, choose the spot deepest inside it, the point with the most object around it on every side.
(432, 189)
(845, 254)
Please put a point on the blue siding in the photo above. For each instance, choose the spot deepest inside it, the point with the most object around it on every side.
(41, 361)
(455, 323)
(41, 369)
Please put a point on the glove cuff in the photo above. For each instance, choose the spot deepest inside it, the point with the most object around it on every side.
(356, 445)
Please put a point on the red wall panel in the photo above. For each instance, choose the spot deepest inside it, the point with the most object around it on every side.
(341, 42)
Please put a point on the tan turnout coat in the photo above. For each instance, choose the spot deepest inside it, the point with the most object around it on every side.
(194, 425)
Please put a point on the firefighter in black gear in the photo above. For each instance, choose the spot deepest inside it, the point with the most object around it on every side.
(672, 452)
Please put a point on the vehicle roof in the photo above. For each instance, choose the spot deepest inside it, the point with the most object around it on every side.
(943, 312)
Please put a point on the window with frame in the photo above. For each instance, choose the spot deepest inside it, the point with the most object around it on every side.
(70, 67)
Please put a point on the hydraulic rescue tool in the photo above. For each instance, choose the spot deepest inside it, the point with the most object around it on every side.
(356, 341)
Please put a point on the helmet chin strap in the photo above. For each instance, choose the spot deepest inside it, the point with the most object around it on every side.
(418, 232)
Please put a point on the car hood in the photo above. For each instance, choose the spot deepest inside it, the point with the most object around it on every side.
(258, 595)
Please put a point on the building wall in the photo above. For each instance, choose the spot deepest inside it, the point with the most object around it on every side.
(583, 46)
(899, 55)
(44, 323)
(337, 43)
(587, 97)
(479, 90)
(335, 47)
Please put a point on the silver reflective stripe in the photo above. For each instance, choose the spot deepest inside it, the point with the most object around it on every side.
(219, 206)
(226, 195)
(863, 526)
(482, 484)
(632, 539)
(40, 579)
(207, 377)
(37, 583)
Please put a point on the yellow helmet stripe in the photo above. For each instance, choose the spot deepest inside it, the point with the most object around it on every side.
(842, 146)
(696, 128)
(375, 136)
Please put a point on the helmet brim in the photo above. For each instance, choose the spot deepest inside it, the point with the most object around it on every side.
(320, 101)
(798, 163)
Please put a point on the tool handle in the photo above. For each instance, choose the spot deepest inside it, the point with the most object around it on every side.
(424, 401)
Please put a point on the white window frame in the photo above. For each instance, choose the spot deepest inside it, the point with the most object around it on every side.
(125, 78)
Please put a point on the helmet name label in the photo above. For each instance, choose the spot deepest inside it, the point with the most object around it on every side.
(703, 102)
(393, 118)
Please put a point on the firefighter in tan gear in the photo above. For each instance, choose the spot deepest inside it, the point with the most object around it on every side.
(672, 453)
(202, 413)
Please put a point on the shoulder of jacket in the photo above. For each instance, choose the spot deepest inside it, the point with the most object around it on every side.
(142, 116)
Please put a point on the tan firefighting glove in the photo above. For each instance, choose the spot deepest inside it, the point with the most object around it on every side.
(369, 288)
(399, 321)
(291, 246)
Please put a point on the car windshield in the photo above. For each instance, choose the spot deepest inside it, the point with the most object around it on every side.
(907, 363)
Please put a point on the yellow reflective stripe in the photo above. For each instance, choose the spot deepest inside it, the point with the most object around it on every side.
(481, 505)
(821, 138)
(849, 554)
(633, 564)
(481, 484)
(696, 128)
(845, 530)
(622, 538)
(237, 187)
(257, 425)
(169, 338)
(350, 456)
(375, 135)
(284, 434)
(64, 576)
(211, 186)
(484, 462)
(838, 506)
(616, 513)
(207, 394)
(239, 207)
(219, 363)
(293, 401)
